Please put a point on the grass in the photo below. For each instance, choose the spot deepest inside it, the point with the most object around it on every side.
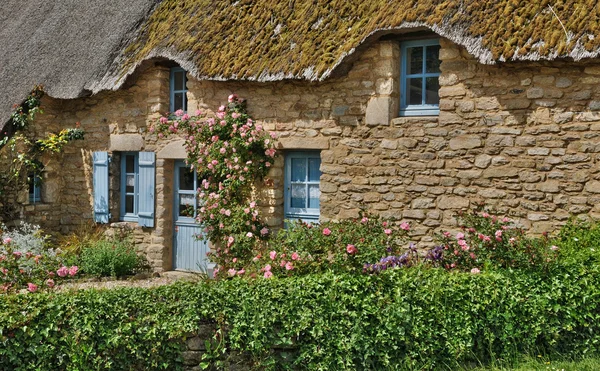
(545, 364)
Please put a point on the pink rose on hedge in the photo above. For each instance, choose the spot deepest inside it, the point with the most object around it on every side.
(273, 255)
(553, 248)
(295, 256)
(164, 120)
(62, 271)
(264, 231)
(73, 270)
(50, 283)
(32, 287)
(460, 236)
(268, 274)
(231, 272)
(267, 267)
(387, 231)
(351, 249)
(289, 266)
(326, 231)
(17, 254)
(475, 271)
(179, 113)
(405, 226)
(364, 220)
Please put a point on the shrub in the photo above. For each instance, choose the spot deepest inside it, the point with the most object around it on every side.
(344, 246)
(111, 257)
(416, 318)
(26, 238)
(490, 242)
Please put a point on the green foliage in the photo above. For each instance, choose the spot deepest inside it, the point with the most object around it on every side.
(111, 257)
(415, 318)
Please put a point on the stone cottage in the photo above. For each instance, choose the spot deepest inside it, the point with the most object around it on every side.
(411, 110)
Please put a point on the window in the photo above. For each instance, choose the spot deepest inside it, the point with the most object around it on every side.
(129, 186)
(137, 191)
(419, 75)
(35, 187)
(302, 193)
(186, 184)
(178, 89)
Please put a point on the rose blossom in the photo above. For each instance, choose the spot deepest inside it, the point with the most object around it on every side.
(32, 287)
(387, 231)
(405, 226)
(351, 249)
(326, 231)
(273, 255)
(295, 256)
(73, 270)
(475, 271)
(62, 271)
(50, 283)
(268, 274)
(289, 266)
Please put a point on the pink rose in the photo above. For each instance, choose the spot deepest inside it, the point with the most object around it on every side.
(351, 249)
(17, 254)
(295, 256)
(252, 204)
(232, 98)
(179, 113)
(289, 266)
(249, 235)
(235, 115)
(198, 112)
(405, 226)
(475, 271)
(241, 271)
(460, 236)
(164, 120)
(553, 248)
(62, 271)
(73, 270)
(231, 272)
(326, 231)
(387, 231)
(32, 287)
(268, 274)
(364, 220)
(264, 231)
(267, 268)
(185, 117)
(50, 283)
(273, 255)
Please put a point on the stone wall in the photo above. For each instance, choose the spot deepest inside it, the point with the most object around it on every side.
(522, 137)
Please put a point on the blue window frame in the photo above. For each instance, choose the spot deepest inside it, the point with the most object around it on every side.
(186, 200)
(129, 186)
(419, 76)
(35, 187)
(302, 193)
(178, 89)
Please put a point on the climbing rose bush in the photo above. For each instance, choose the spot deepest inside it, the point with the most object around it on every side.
(230, 153)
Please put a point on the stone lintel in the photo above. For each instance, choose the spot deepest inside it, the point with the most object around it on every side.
(126, 142)
(174, 150)
(303, 143)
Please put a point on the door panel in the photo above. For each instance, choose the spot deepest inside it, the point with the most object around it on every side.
(189, 252)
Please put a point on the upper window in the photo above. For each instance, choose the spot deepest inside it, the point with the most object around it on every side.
(302, 193)
(129, 186)
(419, 78)
(178, 89)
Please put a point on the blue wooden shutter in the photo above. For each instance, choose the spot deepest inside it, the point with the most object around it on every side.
(146, 192)
(101, 209)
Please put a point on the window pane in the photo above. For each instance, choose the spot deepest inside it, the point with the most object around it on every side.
(186, 205)
(314, 174)
(130, 184)
(313, 196)
(432, 62)
(414, 59)
(433, 86)
(298, 170)
(179, 80)
(298, 195)
(415, 94)
(179, 102)
(129, 164)
(129, 204)
(186, 179)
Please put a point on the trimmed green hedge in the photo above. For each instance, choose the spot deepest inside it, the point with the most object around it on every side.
(405, 318)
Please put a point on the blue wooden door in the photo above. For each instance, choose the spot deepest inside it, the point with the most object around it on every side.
(189, 252)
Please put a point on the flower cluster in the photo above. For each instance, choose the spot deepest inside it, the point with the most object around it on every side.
(230, 153)
(393, 261)
(34, 272)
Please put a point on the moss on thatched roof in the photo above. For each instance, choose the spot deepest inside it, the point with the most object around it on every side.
(275, 39)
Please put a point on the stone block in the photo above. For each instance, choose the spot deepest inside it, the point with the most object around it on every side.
(465, 142)
(126, 142)
(378, 111)
(452, 202)
(303, 143)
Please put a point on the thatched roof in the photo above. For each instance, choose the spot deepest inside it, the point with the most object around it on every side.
(76, 46)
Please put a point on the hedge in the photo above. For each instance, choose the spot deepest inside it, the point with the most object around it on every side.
(401, 319)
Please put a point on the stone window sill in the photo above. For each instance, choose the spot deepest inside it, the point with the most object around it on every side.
(410, 120)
